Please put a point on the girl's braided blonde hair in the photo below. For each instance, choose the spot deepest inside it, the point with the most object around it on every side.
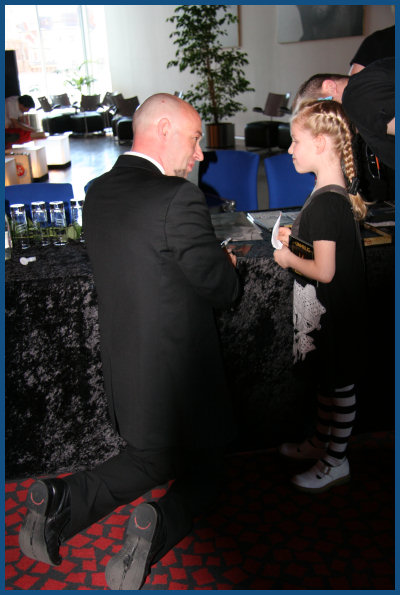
(328, 117)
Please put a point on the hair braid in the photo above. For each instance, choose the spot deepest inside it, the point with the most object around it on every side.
(349, 169)
(328, 117)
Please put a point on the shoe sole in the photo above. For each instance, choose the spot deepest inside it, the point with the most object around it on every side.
(31, 536)
(127, 570)
(334, 483)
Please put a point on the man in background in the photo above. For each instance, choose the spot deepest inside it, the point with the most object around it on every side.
(368, 99)
(17, 131)
(380, 44)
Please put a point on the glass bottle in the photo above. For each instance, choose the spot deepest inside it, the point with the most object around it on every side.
(19, 225)
(8, 240)
(58, 221)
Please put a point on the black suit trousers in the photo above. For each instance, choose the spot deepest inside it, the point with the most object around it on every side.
(197, 478)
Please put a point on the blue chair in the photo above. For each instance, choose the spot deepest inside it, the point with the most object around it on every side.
(230, 175)
(48, 192)
(286, 187)
(88, 184)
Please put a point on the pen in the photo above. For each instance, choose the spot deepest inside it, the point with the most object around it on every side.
(224, 243)
(250, 217)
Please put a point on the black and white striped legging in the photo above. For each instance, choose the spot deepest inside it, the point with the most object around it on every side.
(335, 420)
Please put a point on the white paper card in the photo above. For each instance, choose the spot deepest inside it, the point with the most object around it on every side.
(277, 244)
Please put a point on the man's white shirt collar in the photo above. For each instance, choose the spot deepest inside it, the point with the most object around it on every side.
(136, 154)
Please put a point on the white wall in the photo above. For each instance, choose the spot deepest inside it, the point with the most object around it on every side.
(139, 47)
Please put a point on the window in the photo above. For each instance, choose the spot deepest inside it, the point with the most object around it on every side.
(54, 44)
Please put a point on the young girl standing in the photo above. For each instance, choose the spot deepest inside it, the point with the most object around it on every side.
(328, 293)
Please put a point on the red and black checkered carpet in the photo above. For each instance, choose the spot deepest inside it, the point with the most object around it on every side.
(262, 535)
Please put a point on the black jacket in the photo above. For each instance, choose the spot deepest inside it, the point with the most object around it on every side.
(159, 273)
(369, 102)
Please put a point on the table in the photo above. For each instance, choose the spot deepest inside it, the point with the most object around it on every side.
(56, 411)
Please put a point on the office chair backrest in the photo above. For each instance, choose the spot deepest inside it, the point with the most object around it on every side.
(231, 175)
(115, 97)
(28, 193)
(126, 107)
(109, 99)
(45, 104)
(286, 187)
(275, 103)
(61, 100)
(90, 103)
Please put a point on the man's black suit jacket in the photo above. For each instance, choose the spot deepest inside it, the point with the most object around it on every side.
(159, 273)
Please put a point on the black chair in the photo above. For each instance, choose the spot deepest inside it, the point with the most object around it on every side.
(91, 103)
(109, 108)
(116, 116)
(62, 101)
(57, 120)
(122, 121)
(265, 134)
(45, 105)
(89, 119)
(284, 136)
(275, 105)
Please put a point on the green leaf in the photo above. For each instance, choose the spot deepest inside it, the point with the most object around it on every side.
(219, 70)
(73, 231)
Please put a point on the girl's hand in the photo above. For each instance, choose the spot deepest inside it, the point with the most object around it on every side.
(283, 235)
(282, 256)
(321, 268)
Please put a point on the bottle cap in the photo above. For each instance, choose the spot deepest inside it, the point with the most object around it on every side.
(23, 260)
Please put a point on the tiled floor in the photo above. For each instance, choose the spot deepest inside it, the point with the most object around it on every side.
(261, 534)
(94, 155)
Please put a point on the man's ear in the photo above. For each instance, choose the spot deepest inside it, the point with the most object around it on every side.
(163, 128)
(329, 88)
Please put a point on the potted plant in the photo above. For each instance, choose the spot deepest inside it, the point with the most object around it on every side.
(80, 79)
(198, 35)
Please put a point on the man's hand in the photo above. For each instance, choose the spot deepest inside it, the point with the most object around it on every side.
(232, 256)
(391, 127)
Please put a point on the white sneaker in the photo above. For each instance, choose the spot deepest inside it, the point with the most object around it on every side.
(302, 451)
(322, 477)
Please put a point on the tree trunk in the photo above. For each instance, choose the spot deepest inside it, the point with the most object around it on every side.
(220, 136)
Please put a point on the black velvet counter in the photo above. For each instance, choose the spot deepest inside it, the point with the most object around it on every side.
(56, 412)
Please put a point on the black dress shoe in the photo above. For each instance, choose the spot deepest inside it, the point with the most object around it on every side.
(49, 510)
(128, 569)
